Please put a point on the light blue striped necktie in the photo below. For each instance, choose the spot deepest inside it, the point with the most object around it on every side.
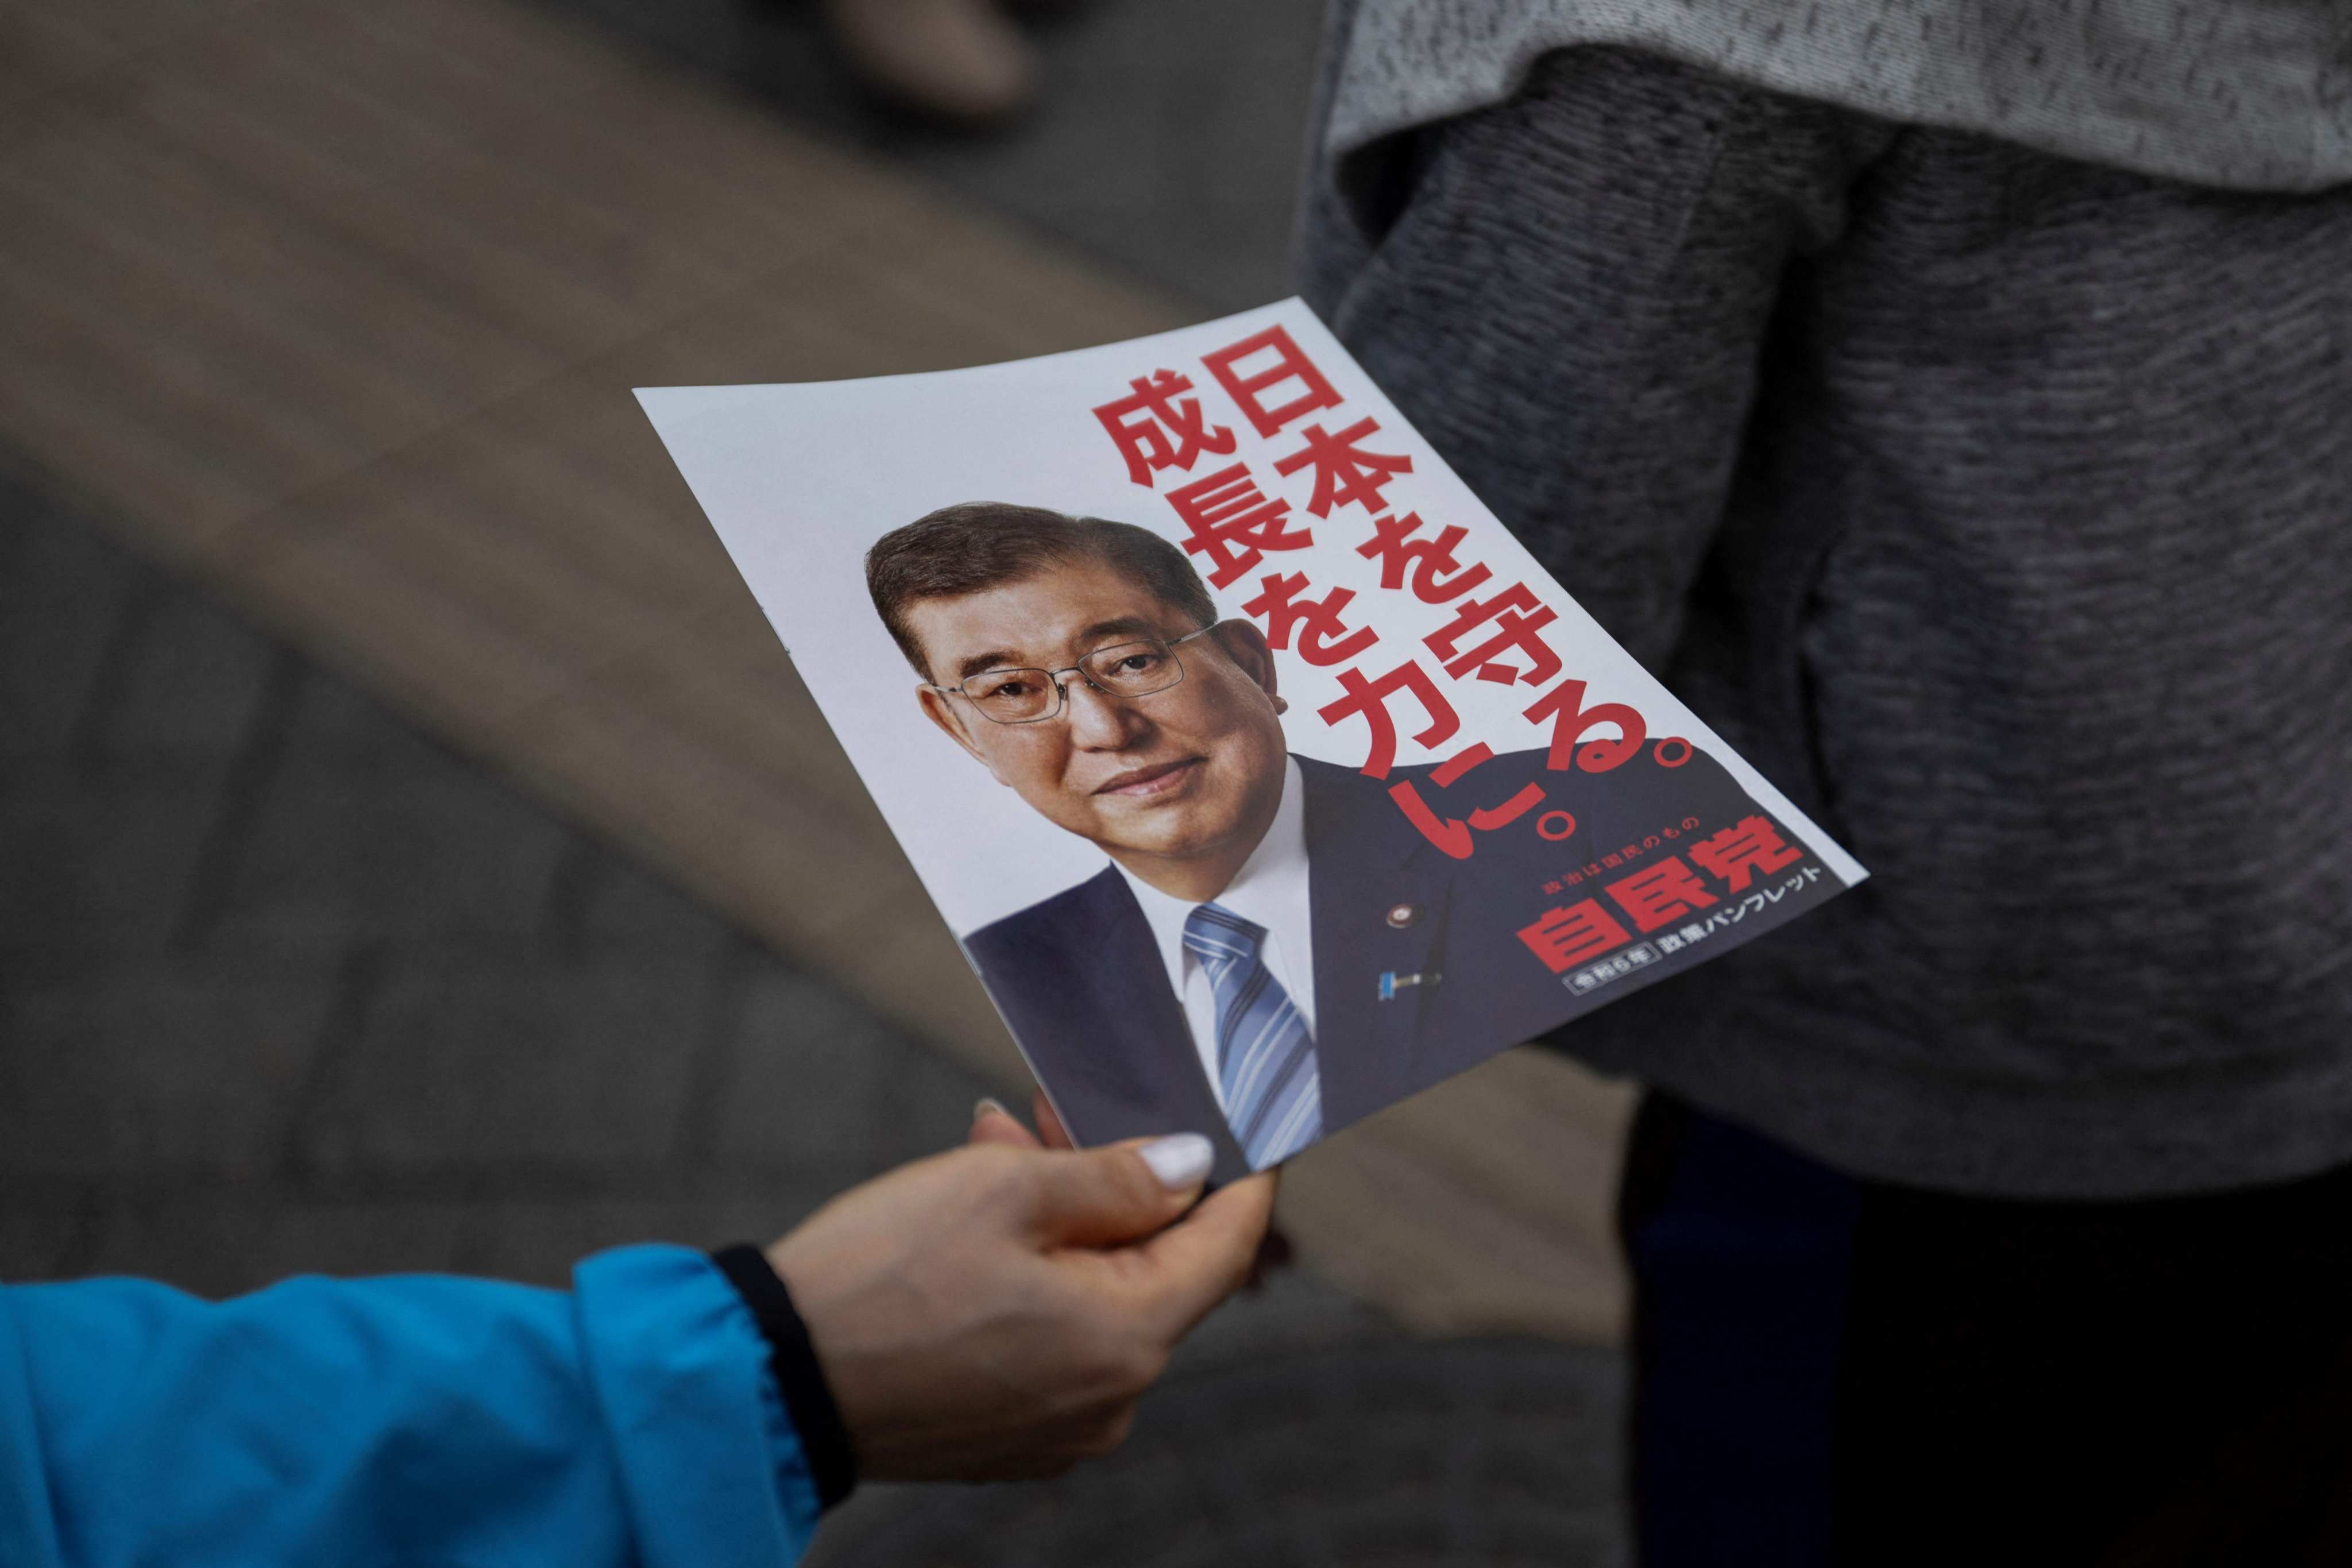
(1265, 1058)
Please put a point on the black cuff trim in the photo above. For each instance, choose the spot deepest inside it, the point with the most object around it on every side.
(816, 1417)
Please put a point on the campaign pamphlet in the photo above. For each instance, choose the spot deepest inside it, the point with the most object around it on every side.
(1265, 778)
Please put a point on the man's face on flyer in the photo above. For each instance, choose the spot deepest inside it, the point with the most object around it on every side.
(1191, 772)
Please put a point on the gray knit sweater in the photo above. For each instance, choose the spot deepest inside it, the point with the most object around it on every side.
(2249, 94)
(1989, 489)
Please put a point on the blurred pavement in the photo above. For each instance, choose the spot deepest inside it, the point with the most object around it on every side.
(1168, 144)
(288, 985)
(314, 317)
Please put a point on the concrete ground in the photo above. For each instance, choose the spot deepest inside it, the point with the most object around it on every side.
(287, 984)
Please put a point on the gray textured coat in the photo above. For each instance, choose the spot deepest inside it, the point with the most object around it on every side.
(1999, 505)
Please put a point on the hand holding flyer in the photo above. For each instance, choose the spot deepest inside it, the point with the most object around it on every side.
(1265, 777)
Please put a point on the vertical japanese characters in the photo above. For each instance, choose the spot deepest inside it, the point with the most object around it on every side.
(1232, 524)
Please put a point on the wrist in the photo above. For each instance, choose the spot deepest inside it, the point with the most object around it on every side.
(800, 1378)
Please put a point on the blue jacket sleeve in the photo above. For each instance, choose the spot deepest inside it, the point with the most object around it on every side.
(632, 1420)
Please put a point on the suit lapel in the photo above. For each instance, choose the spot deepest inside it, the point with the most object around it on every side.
(1378, 907)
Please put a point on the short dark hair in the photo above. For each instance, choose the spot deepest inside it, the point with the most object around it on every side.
(977, 544)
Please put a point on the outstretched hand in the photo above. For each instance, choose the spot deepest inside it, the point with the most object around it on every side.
(997, 1311)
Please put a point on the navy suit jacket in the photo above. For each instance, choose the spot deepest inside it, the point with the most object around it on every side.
(1080, 979)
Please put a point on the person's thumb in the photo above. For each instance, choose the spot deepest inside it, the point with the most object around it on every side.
(1106, 1196)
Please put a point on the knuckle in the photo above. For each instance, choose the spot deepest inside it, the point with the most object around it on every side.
(999, 1173)
(1133, 1179)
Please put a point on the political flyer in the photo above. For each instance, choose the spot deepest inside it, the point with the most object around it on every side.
(1264, 776)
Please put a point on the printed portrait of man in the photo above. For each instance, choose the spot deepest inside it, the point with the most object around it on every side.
(1274, 949)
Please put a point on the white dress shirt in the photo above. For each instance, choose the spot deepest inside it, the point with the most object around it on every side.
(1270, 890)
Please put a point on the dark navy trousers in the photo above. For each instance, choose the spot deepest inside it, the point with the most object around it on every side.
(1836, 1370)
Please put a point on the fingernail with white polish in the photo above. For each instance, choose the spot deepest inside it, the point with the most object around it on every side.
(986, 1104)
(1179, 1161)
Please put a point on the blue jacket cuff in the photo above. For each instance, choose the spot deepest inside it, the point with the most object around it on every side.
(710, 1468)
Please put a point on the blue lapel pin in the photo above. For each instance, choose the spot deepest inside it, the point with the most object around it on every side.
(1392, 981)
